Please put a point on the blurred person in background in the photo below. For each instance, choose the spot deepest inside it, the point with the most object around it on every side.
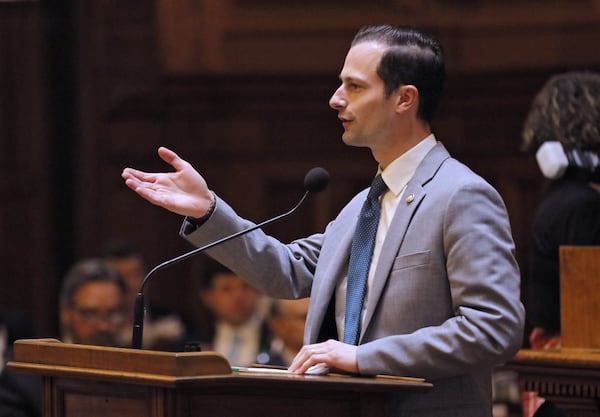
(162, 330)
(287, 319)
(92, 304)
(20, 393)
(562, 125)
(565, 111)
(238, 328)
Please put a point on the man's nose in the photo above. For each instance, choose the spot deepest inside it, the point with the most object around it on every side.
(337, 101)
(104, 324)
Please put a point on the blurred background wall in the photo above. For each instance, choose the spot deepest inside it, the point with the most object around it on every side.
(240, 89)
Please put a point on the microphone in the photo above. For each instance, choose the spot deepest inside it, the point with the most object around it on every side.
(315, 181)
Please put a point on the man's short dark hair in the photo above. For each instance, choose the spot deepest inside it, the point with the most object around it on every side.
(413, 58)
(86, 271)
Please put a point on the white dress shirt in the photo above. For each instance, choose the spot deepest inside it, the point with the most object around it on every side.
(239, 344)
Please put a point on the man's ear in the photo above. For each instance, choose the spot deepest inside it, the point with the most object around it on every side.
(407, 97)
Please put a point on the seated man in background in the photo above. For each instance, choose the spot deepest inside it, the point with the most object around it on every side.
(162, 331)
(238, 330)
(287, 319)
(20, 393)
(92, 304)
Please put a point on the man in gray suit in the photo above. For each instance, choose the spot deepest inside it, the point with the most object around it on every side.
(443, 290)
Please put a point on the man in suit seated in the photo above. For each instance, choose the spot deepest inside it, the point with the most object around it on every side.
(163, 330)
(286, 320)
(92, 304)
(237, 328)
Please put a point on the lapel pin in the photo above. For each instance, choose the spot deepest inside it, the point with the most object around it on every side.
(410, 198)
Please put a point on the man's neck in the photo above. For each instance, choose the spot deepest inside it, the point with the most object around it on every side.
(400, 146)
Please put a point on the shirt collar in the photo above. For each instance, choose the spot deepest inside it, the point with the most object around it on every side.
(397, 174)
(242, 329)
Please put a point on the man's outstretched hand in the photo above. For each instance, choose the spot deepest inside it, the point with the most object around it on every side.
(184, 191)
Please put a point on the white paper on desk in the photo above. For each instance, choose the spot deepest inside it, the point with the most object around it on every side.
(258, 370)
(318, 369)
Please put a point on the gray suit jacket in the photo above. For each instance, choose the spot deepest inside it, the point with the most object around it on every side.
(445, 300)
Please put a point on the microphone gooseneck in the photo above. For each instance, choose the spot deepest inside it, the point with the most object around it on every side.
(315, 181)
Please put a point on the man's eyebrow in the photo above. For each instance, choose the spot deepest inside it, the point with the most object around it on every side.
(351, 78)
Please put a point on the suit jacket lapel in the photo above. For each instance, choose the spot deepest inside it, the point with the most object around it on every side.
(411, 199)
(325, 282)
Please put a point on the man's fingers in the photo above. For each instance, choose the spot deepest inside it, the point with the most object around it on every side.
(172, 158)
(141, 176)
(308, 356)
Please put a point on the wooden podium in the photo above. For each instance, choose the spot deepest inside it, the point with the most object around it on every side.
(93, 381)
(570, 376)
(580, 297)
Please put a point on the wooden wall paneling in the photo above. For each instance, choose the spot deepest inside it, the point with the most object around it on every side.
(257, 36)
(119, 106)
(480, 121)
(26, 267)
(122, 124)
(248, 121)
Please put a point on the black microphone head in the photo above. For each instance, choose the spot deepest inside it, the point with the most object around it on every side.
(316, 180)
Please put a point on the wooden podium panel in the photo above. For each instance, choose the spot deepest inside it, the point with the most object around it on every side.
(93, 381)
(570, 378)
(580, 296)
(91, 398)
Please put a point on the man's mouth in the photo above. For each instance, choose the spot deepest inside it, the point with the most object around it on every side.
(345, 122)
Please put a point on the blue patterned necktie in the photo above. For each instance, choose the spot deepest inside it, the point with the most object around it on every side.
(360, 259)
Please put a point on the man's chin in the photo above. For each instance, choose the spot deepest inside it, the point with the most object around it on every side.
(348, 139)
(352, 141)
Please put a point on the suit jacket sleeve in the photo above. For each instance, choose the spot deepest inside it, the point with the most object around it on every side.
(277, 269)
